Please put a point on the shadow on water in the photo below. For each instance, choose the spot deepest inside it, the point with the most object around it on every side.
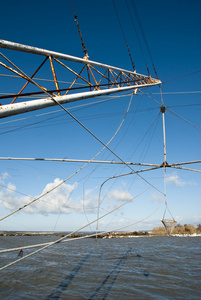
(67, 280)
(111, 277)
(146, 274)
(140, 258)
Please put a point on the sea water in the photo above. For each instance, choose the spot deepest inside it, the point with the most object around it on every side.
(118, 268)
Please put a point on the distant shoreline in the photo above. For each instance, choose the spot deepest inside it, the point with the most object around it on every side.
(74, 235)
(108, 235)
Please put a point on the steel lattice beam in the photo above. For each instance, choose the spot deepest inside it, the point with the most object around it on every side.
(113, 80)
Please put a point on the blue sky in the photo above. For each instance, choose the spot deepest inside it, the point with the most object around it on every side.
(172, 30)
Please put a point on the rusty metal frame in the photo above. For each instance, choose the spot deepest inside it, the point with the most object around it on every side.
(75, 73)
(95, 79)
(78, 76)
(96, 88)
(103, 76)
(21, 76)
(28, 80)
(54, 75)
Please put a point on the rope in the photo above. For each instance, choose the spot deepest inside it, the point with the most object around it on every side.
(123, 118)
(82, 125)
(73, 107)
(143, 35)
(83, 45)
(120, 125)
(66, 178)
(42, 79)
(46, 245)
(44, 194)
(182, 76)
(113, 177)
(50, 118)
(129, 53)
(127, 109)
(175, 93)
(138, 38)
(197, 127)
(149, 96)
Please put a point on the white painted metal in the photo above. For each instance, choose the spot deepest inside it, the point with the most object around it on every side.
(40, 51)
(164, 138)
(79, 161)
(22, 107)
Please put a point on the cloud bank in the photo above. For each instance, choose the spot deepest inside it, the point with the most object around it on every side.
(60, 200)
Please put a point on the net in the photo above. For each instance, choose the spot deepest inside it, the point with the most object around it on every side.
(169, 225)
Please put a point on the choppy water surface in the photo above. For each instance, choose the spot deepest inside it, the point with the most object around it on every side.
(127, 268)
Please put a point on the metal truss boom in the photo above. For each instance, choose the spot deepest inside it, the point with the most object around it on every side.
(40, 51)
(22, 107)
(97, 83)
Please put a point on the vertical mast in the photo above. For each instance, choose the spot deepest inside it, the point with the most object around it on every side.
(171, 223)
(164, 137)
(164, 150)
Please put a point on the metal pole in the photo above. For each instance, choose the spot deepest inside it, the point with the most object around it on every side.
(40, 51)
(80, 161)
(164, 137)
(22, 107)
(164, 155)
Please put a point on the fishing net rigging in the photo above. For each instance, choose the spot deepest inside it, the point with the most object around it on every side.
(128, 49)
(138, 38)
(79, 31)
(63, 239)
(143, 35)
(125, 164)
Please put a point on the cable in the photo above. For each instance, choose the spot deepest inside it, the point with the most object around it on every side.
(83, 45)
(129, 53)
(182, 76)
(120, 125)
(149, 96)
(197, 127)
(40, 79)
(143, 35)
(76, 108)
(82, 125)
(138, 38)
(63, 180)
(46, 245)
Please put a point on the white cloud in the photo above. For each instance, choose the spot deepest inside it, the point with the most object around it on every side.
(119, 195)
(157, 198)
(58, 200)
(5, 175)
(175, 180)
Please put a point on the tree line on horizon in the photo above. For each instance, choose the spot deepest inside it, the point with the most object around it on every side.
(179, 229)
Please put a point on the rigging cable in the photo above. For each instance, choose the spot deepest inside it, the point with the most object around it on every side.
(83, 44)
(83, 126)
(197, 127)
(116, 176)
(138, 38)
(182, 76)
(35, 199)
(129, 53)
(120, 125)
(46, 245)
(143, 35)
(80, 123)
(76, 108)
(163, 110)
